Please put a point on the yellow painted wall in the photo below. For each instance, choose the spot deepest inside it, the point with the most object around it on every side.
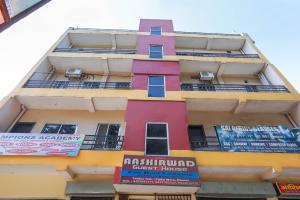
(32, 186)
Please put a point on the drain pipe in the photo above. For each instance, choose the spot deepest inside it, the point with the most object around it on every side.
(291, 120)
(23, 110)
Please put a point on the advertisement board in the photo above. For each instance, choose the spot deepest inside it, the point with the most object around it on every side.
(159, 170)
(37, 144)
(258, 138)
(289, 188)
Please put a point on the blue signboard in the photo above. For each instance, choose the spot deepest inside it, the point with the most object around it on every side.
(258, 138)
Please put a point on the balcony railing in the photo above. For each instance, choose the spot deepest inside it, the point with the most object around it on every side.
(234, 87)
(95, 142)
(210, 143)
(95, 50)
(202, 33)
(229, 55)
(74, 84)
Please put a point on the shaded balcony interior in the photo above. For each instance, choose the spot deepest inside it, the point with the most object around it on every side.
(98, 41)
(103, 130)
(202, 132)
(124, 42)
(106, 128)
(232, 46)
(264, 81)
(94, 74)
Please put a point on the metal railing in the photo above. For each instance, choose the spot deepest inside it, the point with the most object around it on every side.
(209, 143)
(234, 87)
(202, 33)
(75, 84)
(229, 55)
(96, 142)
(95, 50)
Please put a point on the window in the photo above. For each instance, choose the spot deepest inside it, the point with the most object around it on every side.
(197, 136)
(156, 86)
(60, 128)
(155, 30)
(156, 51)
(107, 136)
(156, 139)
(22, 127)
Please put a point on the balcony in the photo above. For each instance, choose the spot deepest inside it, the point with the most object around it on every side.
(94, 142)
(234, 88)
(96, 50)
(79, 85)
(210, 143)
(228, 55)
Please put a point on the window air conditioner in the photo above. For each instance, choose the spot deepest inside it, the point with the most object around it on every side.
(206, 76)
(73, 73)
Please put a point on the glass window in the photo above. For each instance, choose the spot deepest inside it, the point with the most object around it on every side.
(156, 139)
(67, 129)
(155, 51)
(22, 127)
(197, 136)
(107, 136)
(155, 30)
(156, 86)
(60, 128)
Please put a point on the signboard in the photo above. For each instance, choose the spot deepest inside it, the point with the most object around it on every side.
(289, 188)
(159, 170)
(258, 138)
(40, 144)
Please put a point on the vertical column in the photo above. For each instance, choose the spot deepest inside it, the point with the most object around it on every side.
(139, 112)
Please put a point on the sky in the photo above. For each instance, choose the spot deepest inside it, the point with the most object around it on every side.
(272, 24)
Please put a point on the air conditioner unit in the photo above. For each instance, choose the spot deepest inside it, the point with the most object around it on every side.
(73, 73)
(206, 76)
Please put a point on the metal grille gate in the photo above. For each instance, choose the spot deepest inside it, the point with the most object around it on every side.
(172, 197)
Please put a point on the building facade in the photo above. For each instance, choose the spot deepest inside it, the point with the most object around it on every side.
(151, 113)
(13, 10)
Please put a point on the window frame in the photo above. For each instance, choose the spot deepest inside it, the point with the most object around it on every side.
(160, 29)
(75, 132)
(167, 138)
(22, 123)
(106, 133)
(162, 50)
(164, 78)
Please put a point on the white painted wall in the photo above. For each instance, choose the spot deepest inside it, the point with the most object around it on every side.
(248, 48)
(295, 113)
(65, 43)
(272, 76)
(8, 113)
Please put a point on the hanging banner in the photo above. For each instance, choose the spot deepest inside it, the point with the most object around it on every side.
(40, 144)
(288, 188)
(159, 170)
(258, 138)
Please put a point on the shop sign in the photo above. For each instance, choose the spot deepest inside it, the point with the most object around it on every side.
(289, 188)
(37, 144)
(159, 170)
(258, 138)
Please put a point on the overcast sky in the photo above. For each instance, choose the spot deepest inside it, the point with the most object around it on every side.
(273, 24)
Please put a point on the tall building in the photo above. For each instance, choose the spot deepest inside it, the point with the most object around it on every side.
(12, 11)
(151, 113)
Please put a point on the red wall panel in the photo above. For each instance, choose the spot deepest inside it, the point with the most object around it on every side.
(145, 24)
(140, 82)
(144, 41)
(171, 112)
(155, 67)
(142, 69)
